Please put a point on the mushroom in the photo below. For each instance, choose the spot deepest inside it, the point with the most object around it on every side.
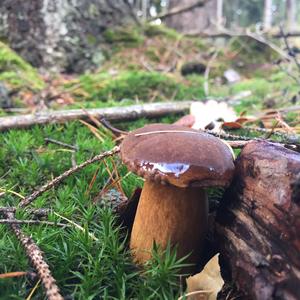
(177, 163)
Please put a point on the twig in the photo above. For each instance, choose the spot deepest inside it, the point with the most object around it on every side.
(38, 212)
(49, 140)
(239, 138)
(114, 130)
(17, 274)
(179, 10)
(291, 138)
(35, 255)
(32, 222)
(27, 200)
(290, 51)
(207, 70)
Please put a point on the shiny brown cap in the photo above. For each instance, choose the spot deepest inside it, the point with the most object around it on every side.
(178, 155)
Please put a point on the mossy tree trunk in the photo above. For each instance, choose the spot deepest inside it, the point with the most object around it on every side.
(59, 34)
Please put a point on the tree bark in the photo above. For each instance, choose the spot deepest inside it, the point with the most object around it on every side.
(258, 224)
(291, 14)
(153, 110)
(195, 20)
(58, 34)
(219, 21)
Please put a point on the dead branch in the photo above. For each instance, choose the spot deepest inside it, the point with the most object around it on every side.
(290, 51)
(17, 274)
(114, 130)
(179, 10)
(27, 200)
(127, 113)
(241, 33)
(35, 255)
(37, 212)
(32, 222)
(239, 138)
(49, 140)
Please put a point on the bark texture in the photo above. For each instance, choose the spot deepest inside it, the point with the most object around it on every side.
(196, 20)
(259, 226)
(60, 34)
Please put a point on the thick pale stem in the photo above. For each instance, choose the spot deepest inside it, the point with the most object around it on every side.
(168, 213)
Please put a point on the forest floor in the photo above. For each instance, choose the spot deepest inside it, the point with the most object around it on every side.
(156, 64)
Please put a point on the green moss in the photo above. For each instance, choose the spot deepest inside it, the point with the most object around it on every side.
(124, 37)
(151, 30)
(141, 85)
(251, 51)
(16, 71)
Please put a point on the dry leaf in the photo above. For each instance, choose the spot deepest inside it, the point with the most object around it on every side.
(232, 125)
(209, 281)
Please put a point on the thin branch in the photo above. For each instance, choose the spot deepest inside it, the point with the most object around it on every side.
(179, 10)
(290, 51)
(49, 140)
(17, 274)
(289, 138)
(27, 200)
(239, 138)
(32, 222)
(207, 70)
(36, 258)
(114, 130)
(37, 212)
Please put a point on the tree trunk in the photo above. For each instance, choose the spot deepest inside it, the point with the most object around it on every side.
(219, 21)
(267, 15)
(59, 34)
(195, 20)
(291, 14)
(258, 225)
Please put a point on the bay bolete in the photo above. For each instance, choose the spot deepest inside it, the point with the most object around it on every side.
(177, 163)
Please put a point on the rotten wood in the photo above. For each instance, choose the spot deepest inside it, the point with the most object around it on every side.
(127, 113)
(258, 224)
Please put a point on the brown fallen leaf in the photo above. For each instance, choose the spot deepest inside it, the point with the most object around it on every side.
(232, 125)
(206, 284)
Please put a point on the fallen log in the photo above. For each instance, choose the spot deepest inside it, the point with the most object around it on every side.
(242, 33)
(126, 113)
(258, 224)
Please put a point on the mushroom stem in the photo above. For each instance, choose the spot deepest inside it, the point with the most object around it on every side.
(169, 213)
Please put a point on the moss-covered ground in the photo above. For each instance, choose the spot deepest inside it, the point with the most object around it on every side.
(142, 65)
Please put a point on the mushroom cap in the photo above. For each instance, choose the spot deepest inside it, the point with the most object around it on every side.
(177, 155)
